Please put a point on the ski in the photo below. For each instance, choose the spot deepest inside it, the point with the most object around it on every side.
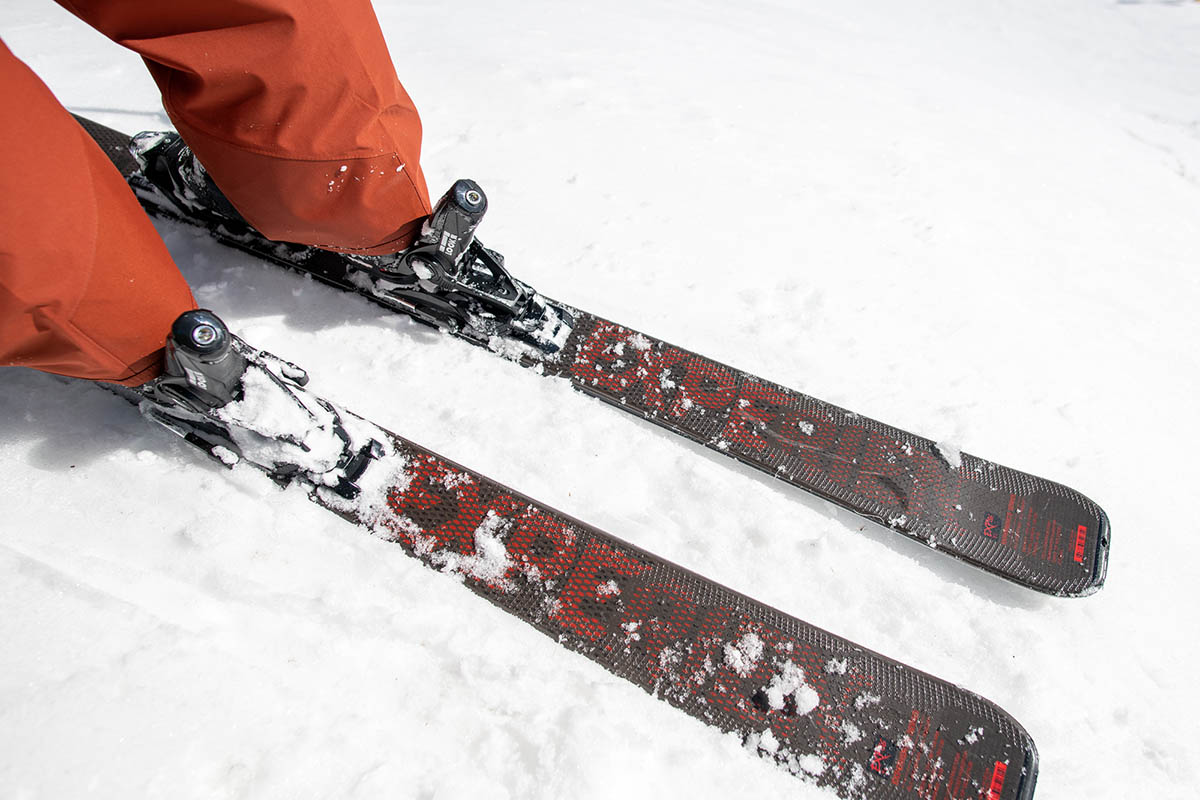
(822, 708)
(1035, 532)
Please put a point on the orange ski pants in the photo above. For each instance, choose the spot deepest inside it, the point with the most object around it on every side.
(294, 108)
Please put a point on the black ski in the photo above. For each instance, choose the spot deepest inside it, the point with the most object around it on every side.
(1038, 533)
(823, 708)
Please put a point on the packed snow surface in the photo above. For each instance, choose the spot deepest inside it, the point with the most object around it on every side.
(977, 221)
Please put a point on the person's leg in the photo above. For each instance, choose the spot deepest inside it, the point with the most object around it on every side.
(292, 106)
(87, 288)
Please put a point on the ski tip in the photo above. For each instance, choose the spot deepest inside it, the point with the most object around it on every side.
(1098, 544)
(1029, 771)
(1100, 563)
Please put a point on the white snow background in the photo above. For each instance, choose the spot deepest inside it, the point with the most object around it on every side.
(977, 221)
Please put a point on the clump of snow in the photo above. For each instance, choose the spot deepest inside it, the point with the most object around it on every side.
(511, 349)
(455, 480)
(810, 763)
(866, 699)
(767, 742)
(274, 424)
(490, 563)
(789, 682)
(950, 453)
(744, 655)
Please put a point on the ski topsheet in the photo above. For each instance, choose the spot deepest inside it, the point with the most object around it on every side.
(1035, 532)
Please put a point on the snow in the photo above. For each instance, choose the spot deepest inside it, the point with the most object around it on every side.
(271, 424)
(490, 562)
(787, 683)
(745, 654)
(974, 218)
(951, 453)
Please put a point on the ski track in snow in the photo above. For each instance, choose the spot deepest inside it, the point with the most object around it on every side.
(975, 221)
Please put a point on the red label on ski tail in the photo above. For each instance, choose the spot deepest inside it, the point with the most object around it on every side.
(997, 784)
(1080, 541)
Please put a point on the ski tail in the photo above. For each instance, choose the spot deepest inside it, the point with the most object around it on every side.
(114, 144)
